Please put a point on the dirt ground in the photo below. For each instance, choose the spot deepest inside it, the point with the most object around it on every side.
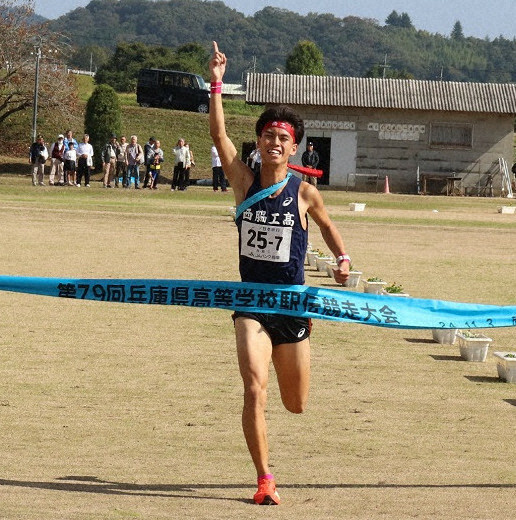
(117, 411)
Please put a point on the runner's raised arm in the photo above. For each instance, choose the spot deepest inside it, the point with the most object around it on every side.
(239, 174)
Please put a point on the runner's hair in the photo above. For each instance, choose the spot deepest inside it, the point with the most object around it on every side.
(282, 113)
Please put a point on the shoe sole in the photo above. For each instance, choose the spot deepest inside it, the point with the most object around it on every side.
(269, 501)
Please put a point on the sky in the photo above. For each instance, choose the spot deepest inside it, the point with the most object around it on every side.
(479, 18)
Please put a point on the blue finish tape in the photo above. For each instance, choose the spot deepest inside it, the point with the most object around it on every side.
(293, 300)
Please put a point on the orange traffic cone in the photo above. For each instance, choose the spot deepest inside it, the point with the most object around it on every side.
(386, 187)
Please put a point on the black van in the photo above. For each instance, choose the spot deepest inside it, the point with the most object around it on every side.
(172, 89)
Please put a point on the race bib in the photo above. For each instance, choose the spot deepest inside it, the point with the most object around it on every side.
(264, 242)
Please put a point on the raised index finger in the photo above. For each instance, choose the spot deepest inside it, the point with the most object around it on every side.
(215, 47)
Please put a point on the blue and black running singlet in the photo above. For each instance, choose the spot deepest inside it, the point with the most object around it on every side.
(272, 240)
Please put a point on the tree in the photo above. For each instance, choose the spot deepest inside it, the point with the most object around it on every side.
(306, 58)
(193, 57)
(27, 48)
(379, 71)
(399, 20)
(457, 33)
(89, 57)
(122, 68)
(102, 118)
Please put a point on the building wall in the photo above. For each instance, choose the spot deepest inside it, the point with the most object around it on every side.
(368, 144)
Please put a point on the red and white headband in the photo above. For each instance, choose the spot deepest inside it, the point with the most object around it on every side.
(281, 124)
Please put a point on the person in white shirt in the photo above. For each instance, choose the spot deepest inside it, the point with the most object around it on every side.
(182, 158)
(70, 163)
(85, 161)
(218, 174)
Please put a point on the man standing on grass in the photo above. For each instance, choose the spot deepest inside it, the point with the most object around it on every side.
(84, 161)
(38, 154)
(273, 233)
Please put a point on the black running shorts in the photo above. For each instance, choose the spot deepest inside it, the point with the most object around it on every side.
(281, 328)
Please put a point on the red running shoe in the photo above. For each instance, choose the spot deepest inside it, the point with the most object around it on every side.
(266, 494)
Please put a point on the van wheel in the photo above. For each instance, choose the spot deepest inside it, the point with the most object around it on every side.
(202, 108)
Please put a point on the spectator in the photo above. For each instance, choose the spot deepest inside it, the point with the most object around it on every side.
(218, 174)
(181, 157)
(109, 161)
(84, 161)
(156, 165)
(189, 163)
(256, 160)
(310, 158)
(38, 154)
(67, 140)
(121, 162)
(70, 139)
(57, 151)
(148, 151)
(70, 163)
(134, 157)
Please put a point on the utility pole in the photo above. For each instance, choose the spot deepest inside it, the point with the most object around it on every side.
(37, 49)
(385, 66)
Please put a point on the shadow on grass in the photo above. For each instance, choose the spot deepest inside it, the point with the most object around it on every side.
(511, 401)
(446, 358)
(15, 168)
(420, 340)
(484, 379)
(90, 484)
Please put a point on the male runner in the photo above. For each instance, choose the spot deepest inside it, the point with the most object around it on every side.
(273, 238)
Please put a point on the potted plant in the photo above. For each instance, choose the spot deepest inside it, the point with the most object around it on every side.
(506, 366)
(395, 289)
(357, 206)
(321, 260)
(330, 266)
(354, 277)
(374, 285)
(473, 346)
(444, 336)
(311, 257)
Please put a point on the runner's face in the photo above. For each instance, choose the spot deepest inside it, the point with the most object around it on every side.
(276, 145)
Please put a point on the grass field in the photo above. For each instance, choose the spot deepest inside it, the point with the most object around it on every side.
(118, 411)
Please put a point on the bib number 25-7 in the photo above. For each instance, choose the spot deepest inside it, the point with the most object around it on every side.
(263, 242)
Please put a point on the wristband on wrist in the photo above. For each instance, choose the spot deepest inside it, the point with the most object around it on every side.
(216, 87)
(343, 258)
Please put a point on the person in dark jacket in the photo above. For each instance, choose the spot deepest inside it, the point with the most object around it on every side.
(38, 155)
(310, 159)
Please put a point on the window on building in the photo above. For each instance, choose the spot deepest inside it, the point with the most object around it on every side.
(451, 135)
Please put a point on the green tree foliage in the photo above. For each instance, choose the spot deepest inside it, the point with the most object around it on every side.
(89, 57)
(102, 118)
(457, 33)
(399, 20)
(351, 46)
(377, 71)
(306, 58)
(121, 70)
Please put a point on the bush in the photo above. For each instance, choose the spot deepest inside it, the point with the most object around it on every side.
(102, 118)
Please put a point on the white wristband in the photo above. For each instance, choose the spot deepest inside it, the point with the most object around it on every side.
(343, 258)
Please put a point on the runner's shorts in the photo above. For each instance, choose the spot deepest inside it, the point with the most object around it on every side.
(281, 328)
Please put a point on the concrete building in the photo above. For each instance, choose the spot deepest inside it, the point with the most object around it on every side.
(426, 136)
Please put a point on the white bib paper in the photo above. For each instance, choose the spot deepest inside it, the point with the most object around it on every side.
(265, 242)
